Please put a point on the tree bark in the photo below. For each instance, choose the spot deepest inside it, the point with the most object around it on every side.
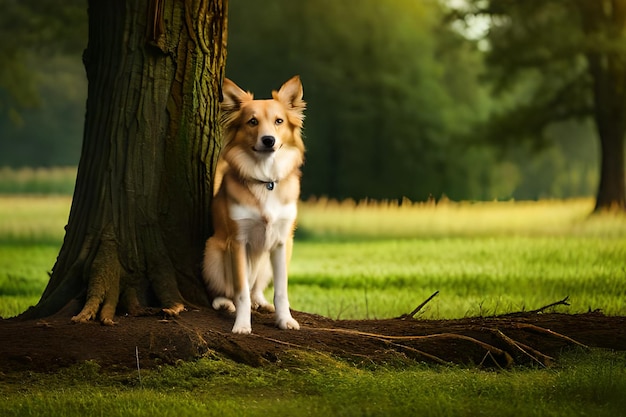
(140, 211)
(604, 24)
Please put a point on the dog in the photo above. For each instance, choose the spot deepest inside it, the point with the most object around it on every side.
(254, 207)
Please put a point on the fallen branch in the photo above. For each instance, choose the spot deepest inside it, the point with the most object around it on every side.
(562, 302)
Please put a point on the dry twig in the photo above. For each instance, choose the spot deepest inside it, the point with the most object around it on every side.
(419, 307)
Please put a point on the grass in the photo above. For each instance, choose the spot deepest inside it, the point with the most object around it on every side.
(485, 258)
(475, 276)
(362, 261)
(379, 260)
(39, 181)
(325, 219)
(31, 233)
(307, 384)
(33, 220)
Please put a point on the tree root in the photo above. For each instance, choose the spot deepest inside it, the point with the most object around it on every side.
(103, 290)
(534, 355)
(504, 359)
(551, 333)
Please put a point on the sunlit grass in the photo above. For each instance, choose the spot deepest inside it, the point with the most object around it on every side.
(475, 276)
(380, 260)
(33, 219)
(57, 181)
(370, 219)
(23, 275)
(365, 261)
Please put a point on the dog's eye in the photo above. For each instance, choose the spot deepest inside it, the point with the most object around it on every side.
(253, 121)
(279, 121)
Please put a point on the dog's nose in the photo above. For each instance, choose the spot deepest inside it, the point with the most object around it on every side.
(268, 141)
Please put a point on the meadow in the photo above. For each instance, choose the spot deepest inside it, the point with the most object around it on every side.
(363, 260)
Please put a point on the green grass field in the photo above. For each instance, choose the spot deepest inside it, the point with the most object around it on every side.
(363, 260)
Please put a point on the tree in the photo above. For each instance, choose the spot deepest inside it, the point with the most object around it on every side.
(387, 103)
(31, 24)
(139, 215)
(565, 59)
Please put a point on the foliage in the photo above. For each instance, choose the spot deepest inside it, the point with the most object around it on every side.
(34, 26)
(556, 61)
(393, 96)
(386, 104)
(535, 50)
(42, 82)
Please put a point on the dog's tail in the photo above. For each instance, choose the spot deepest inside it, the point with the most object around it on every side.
(217, 270)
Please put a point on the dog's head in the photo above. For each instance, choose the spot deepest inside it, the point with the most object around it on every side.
(263, 126)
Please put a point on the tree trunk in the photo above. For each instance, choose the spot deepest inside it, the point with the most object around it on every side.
(612, 187)
(605, 23)
(140, 212)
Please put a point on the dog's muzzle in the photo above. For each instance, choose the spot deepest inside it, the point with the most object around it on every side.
(267, 143)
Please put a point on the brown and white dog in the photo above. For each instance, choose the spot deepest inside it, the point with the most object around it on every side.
(254, 209)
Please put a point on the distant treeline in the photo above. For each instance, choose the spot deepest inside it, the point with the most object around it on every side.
(394, 95)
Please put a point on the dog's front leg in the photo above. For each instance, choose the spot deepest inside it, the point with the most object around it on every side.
(242, 290)
(281, 300)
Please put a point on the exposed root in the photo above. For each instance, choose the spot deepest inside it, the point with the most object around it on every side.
(162, 276)
(543, 330)
(174, 310)
(506, 358)
(104, 284)
(534, 355)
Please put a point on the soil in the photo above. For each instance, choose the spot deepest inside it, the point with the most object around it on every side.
(523, 338)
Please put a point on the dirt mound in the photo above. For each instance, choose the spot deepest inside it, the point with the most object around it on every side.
(525, 338)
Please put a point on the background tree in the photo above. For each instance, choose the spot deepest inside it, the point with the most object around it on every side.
(386, 104)
(394, 98)
(139, 214)
(567, 59)
(42, 86)
(31, 25)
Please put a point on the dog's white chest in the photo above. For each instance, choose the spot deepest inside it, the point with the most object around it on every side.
(263, 228)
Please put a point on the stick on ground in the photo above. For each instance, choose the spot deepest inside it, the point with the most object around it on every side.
(419, 307)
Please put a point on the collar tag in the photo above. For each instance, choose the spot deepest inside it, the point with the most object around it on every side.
(270, 185)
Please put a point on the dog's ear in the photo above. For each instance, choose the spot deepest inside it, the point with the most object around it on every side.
(233, 96)
(291, 94)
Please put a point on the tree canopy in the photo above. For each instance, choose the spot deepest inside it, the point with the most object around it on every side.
(396, 97)
(563, 60)
(386, 103)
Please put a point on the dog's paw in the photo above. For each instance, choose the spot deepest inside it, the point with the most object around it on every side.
(223, 303)
(239, 329)
(287, 323)
(264, 308)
